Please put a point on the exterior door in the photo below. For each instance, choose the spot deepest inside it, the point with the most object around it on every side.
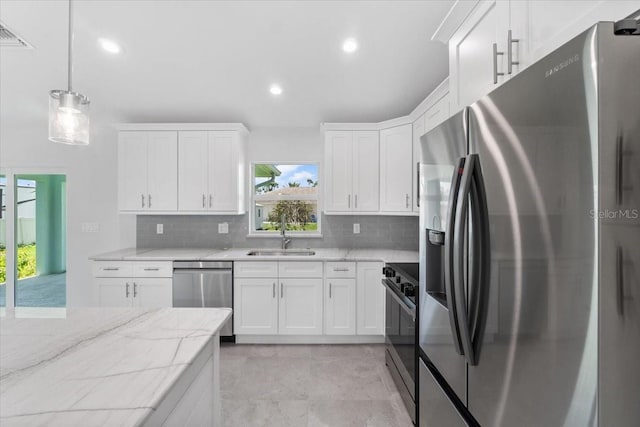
(539, 347)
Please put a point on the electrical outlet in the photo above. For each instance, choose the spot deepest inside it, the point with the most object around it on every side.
(356, 228)
(90, 227)
(223, 228)
(159, 228)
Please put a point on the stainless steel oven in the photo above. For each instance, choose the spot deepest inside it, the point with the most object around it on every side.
(401, 283)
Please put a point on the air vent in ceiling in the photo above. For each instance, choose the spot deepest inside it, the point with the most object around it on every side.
(9, 38)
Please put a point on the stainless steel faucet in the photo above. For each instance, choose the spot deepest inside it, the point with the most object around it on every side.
(283, 230)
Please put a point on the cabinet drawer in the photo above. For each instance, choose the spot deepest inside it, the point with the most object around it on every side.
(112, 269)
(340, 269)
(152, 269)
(299, 269)
(255, 269)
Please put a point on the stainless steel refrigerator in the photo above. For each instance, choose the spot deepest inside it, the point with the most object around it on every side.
(530, 247)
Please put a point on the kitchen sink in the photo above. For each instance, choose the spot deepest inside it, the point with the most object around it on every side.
(281, 252)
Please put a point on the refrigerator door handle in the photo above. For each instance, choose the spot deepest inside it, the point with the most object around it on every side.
(449, 241)
(480, 268)
(472, 315)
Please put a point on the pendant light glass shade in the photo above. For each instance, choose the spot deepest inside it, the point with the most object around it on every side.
(68, 118)
(69, 110)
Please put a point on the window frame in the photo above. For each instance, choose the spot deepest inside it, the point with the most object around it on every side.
(292, 233)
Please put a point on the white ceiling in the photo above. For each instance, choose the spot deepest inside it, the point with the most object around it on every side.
(213, 61)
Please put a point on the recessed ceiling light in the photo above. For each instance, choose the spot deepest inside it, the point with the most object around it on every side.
(109, 45)
(275, 90)
(350, 45)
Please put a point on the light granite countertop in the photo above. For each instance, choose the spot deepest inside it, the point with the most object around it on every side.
(240, 254)
(96, 366)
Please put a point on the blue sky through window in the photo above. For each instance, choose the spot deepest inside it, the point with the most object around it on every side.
(294, 173)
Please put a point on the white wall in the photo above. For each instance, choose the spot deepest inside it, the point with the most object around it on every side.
(285, 145)
(91, 192)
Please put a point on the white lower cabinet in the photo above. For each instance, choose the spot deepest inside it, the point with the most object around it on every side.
(255, 306)
(300, 311)
(370, 299)
(287, 303)
(340, 298)
(133, 284)
(336, 301)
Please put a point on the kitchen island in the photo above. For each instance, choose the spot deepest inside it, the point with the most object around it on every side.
(103, 366)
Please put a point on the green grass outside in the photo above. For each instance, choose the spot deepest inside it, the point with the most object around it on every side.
(26, 262)
(313, 226)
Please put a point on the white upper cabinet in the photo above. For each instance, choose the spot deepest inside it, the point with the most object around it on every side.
(499, 38)
(147, 172)
(396, 169)
(210, 171)
(352, 171)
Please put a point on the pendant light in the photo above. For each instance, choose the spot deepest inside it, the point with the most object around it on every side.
(69, 110)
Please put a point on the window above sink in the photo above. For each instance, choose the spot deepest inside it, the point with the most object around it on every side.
(285, 189)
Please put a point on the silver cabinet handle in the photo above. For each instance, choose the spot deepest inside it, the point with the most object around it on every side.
(406, 200)
(510, 61)
(495, 63)
(149, 197)
(329, 289)
(274, 289)
(349, 201)
(620, 281)
(126, 293)
(281, 290)
(152, 269)
(418, 185)
(142, 198)
(210, 200)
(135, 289)
(204, 199)
(111, 268)
(356, 201)
(340, 269)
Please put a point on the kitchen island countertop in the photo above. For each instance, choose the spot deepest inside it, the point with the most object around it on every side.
(100, 366)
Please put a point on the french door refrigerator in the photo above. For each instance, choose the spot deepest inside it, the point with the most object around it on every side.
(530, 247)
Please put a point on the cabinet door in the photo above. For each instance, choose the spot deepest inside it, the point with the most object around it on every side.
(300, 311)
(366, 171)
(132, 170)
(255, 306)
(340, 307)
(162, 171)
(338, 171)
(471, 53)
(152, 292)
(192, 171)
(552, 23)
(113, 292)
(370, 299)
(396, 158)
(223, 171)
(418, 131)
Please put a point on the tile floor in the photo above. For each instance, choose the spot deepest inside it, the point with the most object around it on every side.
(308, 385)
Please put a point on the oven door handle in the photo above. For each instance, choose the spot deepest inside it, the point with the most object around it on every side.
(403, 305)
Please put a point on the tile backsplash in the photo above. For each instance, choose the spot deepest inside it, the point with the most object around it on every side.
(201, 231)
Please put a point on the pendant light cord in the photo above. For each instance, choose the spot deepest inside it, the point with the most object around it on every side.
(70, 51)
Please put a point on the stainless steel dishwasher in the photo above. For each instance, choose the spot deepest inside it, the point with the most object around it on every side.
(204, 284)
